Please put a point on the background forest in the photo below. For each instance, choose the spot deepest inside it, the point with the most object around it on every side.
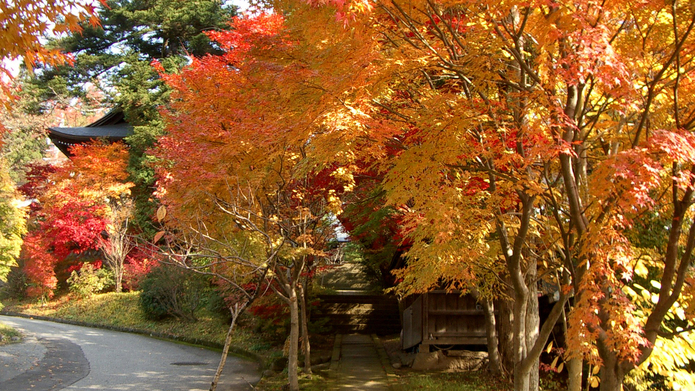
(504, 149)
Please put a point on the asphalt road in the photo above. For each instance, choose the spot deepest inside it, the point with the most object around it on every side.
(57, 356)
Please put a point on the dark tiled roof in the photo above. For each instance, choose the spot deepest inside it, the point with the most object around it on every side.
(111, 127)
(88, 133)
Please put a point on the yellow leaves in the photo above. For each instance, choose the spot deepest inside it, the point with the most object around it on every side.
(554, 363)
(680, 313)
(669, 360)
(345, 176)
(646, 295)
(594, 381)
(158, 236)
(335, 206)
(640, 269)
(161, 213)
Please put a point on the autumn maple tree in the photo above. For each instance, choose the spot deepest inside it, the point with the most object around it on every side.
(518, 141)
(80, 207)
(23, 24)
(532, 136)
(231, 172)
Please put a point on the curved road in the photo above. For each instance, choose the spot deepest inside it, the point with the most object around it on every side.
(58, 356)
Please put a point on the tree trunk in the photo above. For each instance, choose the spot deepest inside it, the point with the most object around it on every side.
(119, 279)
(611, 377)
(522, 376)
(574, 369)
(306, 346)
(293, 356)
(612, 373)
(236, 310)
(574, 365)
(505, 333)
(533, 321)
(492, 340)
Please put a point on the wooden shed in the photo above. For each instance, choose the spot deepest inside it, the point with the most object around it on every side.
(443, 319)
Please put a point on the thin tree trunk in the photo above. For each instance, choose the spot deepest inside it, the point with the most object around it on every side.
(235, 310)
(490, 332)
(119, 279)
(521, 377)
(504, 335)
(306, 346)
(492, 340)
(292, 365)
(574, 365)
(532, 327)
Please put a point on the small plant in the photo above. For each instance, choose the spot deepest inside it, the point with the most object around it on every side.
(89, 279)
(8, 335)
(271, 317)
(138, 265)
(169, 291)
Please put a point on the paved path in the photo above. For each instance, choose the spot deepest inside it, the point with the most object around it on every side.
(57, 356)
(357, 364)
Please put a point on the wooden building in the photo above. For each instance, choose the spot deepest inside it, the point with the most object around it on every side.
(443, 320)
(111, 127)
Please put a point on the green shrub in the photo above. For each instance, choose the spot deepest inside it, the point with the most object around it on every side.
(216, 304)
(88, 280)
(16, 285)
(169, 291)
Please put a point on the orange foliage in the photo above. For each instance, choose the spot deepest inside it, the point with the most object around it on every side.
(25, 22)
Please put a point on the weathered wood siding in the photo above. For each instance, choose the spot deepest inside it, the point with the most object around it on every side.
(443, 319)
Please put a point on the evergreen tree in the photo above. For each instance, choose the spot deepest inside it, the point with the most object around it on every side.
(133, 31)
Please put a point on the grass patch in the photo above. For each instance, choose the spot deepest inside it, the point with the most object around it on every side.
(460, 381)
(7, 333)
(319, 381)
(123, 310)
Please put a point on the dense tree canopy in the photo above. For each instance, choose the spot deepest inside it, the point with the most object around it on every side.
(22, 26)
(115, 57)
(24, 23)
(255, 192)
(539, 132)
(498, 144)
(76, 204)
(529, 136)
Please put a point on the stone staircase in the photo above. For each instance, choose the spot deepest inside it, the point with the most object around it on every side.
(357, 306)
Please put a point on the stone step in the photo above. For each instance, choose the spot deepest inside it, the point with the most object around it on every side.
(367, 329)
(360, 312)
(350, 319)
(355, 307)
(360, 298)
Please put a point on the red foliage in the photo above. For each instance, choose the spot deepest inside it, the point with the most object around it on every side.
(138, 264)
(41, 268)
(69, 212)
(75, 227)
(37, 178)
(274, 313)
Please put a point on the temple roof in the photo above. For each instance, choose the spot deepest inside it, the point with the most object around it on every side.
(112, 127)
